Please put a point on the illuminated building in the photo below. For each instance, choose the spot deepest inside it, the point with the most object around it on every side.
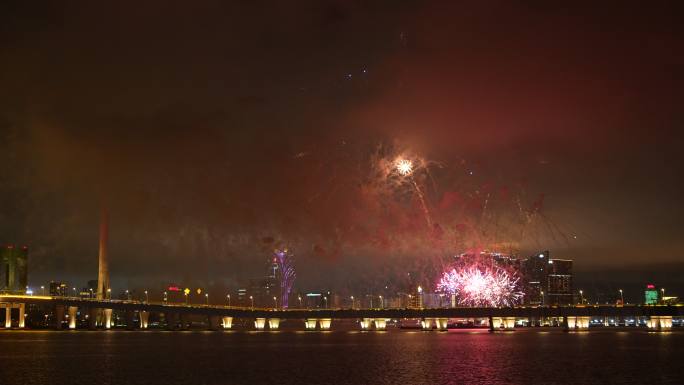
(13, 269)
(547, 280)
(535, 272)
(651, 296)
(58, 289)
(559, 282)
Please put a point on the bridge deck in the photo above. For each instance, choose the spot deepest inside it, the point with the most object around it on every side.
(457, 312)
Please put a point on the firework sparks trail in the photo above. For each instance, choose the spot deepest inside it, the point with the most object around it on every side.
(405, 168)
(475, 286)
(286, 274)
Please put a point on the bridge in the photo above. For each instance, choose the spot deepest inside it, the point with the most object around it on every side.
(177, 315)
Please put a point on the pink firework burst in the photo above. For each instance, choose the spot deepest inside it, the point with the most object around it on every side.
(475, 286)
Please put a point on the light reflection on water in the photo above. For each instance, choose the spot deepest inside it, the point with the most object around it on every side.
(337, 357)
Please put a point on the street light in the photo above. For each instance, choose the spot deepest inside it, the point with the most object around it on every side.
(147, 298)
(352, 300)
(207, 297)
(109, 293)
(252, 300)
(382, 304)
(186, 297)
(42, 290)
(128, 297)
(662, 294)
(299, 297)
(542, 294)
(275, 303)
(74, 291)
(228, 296)
(581, 296)
(166, 298)
(326, 302)
(622, 298)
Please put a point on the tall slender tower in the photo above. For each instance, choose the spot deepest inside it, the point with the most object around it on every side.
(103, 263)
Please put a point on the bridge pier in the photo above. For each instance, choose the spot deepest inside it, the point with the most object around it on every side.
(380, 323)
(107, 315)
(506, 323)
(324, 323)
(660, 323)
(227, 322)
(8, 315)
(442, 323)
(273, 323)
(144, 319)
(310, 323)
(260, 323)
(365, 323)
(22, 315)
(59, 317)
(426, 323)
(576, 323)
(73, 312)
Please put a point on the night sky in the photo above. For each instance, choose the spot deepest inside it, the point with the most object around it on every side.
(216, 131)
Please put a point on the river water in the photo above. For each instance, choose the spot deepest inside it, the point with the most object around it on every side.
(532, 356)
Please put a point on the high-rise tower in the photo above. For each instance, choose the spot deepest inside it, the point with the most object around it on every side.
(13, 269)
(103, 263)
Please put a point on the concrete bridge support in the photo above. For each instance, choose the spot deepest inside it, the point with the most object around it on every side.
(260, 323)
(324, 323)
(59, 317)
(426, 323)
(22, 315)
(310, 323)
(380, 323)
(273, 323)
(8, 315)
(660, 323)
(442, 323)
(576, 323)
(505, 323)
(107, 318)
(144, 319)
(365, 323)
(73, 313)
(227, 322)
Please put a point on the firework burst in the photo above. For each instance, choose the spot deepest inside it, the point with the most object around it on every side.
(481, 286)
